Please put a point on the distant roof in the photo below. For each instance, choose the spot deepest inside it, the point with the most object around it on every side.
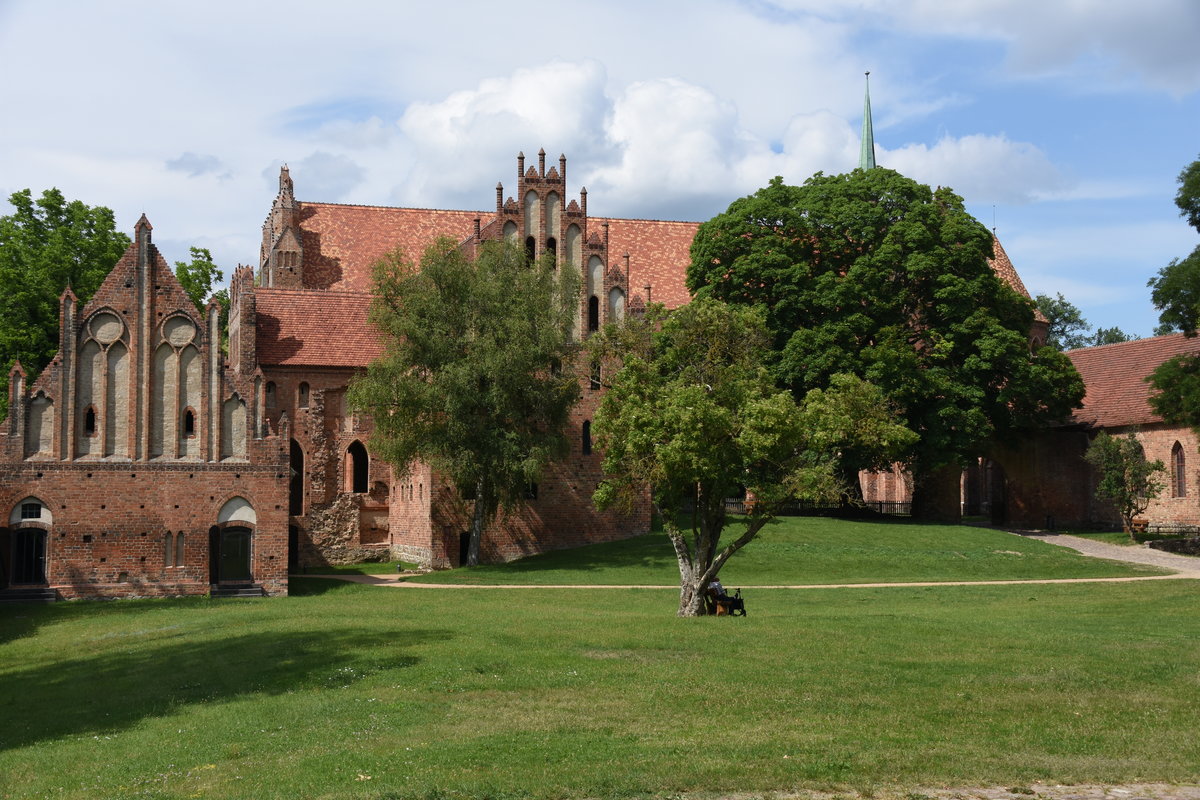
(1117, 393)
(342, 242)
(1003, 266)
(300, 327)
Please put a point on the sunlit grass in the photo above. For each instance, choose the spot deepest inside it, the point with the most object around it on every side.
(804, 550)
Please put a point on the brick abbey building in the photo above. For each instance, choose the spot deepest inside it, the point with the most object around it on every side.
(144, 461)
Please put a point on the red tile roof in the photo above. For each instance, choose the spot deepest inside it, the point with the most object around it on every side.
(1115, 375)
(341, 243)
(298, 327)
(1008, 273)
(658, 255)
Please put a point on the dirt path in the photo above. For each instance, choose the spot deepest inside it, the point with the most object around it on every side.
(1186, 568)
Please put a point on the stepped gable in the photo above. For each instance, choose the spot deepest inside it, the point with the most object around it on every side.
(299, 327)
(1117, 392)
(342, 242)
(1004, 268)
(658, 255)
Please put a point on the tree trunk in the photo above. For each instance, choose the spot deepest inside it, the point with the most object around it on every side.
(477, 518)
(691, 600)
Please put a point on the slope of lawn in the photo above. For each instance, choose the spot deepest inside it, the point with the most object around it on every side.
(804, 550)
(349, 691)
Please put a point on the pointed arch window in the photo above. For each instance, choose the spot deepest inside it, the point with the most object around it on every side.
(586, 442)
(1178, 471)
(593, 313)
(530, 248)
(189, 423)
(302, 395)
(89, 421)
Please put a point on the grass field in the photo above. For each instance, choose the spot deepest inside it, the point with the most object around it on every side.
(803, 550)
(349, 691)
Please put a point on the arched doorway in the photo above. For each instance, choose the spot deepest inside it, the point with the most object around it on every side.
(23, 544)
(357, 472)
(231, 543)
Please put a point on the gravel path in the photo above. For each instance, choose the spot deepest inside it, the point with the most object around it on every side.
(1115, 552)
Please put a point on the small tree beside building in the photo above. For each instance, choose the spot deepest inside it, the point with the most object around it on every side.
(476, 377)
(1124, 476)
(694, 414)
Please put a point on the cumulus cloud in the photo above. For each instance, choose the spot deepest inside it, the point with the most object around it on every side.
(324, 176)
(980, 167)
(196, 164)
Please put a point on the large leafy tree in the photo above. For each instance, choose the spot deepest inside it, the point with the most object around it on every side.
(693, 413)
(876, 275)
(1124, 476)
(47, 244)
(1175, 292)
(475, 378)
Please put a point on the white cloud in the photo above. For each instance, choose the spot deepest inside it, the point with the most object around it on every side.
(195, 164)
(979, 167)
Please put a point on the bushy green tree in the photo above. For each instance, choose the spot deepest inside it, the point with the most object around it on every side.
(875, 275)
(1176, 294)
(46, 245)
(1124, 476)
(693, 414)
(476, 376)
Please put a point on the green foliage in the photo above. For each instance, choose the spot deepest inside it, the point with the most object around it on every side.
(1068, 329)
(1188, 196)
(1112, 335)
(198, 277)
(694, 414)
(466, 382)
(1176, 294)
(875, 275)
(1124, 476)
(46, 245)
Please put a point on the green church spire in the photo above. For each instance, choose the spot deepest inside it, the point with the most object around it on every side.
(866, 159)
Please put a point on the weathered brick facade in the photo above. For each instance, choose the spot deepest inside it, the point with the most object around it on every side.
(139, 463)
(143, 462)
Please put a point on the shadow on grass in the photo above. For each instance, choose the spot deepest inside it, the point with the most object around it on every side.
(649, 551)
(115, 689)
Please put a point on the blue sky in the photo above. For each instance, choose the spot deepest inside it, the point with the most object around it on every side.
(1064, 122)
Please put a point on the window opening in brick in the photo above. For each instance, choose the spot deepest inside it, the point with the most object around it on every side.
(169, 550)
(296, 482)
(531, 491)
(270, 392)
(552, 247)
(189, 423)
(179, 549)
(89, 421)
(530, 248)
(302, 395)
(356, 455)
(1178, 471)
(593, 313)
(587, 437)
(31, 510)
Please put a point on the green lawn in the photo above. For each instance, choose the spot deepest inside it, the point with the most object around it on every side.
(560, 693)
(351, 691)
(363, 568)
(803, 550)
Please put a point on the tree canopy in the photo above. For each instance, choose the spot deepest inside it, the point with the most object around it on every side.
(1175, 292)
(875, 275)
(46, 245)
(693, 413)
(1069, 330)
(476, 377)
